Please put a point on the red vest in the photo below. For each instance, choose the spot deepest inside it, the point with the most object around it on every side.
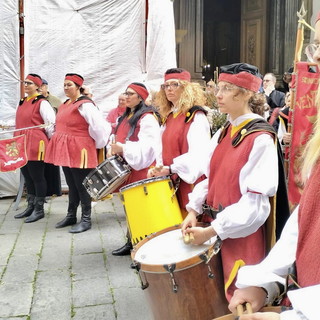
(224, 190)
(174, 144)
(28, 115)
(307, 256)
(71, 145)
(122, 132)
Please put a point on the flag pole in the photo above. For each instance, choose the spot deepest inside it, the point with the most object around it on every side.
(297, 58)
(21, 46)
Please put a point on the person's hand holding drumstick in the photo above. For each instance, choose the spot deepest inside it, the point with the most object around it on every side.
(199, 234)
(115, 147)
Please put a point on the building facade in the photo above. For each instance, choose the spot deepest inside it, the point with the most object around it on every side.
(211, 33)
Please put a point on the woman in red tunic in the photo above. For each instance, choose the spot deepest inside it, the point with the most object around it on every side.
(242, 174)
(34, 110)
(185, 129)
(80, 131)
(137, 140)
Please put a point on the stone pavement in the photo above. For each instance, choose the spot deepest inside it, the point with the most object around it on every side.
(48, 273)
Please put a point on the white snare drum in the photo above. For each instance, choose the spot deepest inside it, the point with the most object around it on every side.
(180, 281)
(106, 177)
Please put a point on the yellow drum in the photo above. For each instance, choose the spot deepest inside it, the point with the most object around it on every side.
(150, 205)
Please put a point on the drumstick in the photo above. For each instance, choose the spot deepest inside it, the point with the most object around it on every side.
(188, 238)
(240, 308)
(249, 307)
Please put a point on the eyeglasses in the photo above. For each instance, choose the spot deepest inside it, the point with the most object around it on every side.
(310, 50)
(129, 94)
(223, 89)
(172, 85)
(27, 83)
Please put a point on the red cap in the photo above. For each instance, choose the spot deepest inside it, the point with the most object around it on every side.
(77, 79)
(140, 90)
(242, 79)
(184, 75)
(36, 80)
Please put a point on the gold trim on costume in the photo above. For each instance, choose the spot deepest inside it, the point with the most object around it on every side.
(101, 155)
(84, 159)
(235, 129)
(41, 150)
(237, 265)
(175, 114)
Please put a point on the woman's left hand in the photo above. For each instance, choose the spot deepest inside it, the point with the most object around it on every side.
(116, 148)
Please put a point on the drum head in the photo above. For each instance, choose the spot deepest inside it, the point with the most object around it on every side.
(168, 248)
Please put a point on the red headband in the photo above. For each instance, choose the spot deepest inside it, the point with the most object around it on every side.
(141, 91)
(76, 79)
(184, 75)
(242, 79)
(34, 79)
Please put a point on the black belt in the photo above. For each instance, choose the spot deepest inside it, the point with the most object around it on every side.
(211, 212)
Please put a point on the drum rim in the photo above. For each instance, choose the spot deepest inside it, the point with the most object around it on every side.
(159, 268)
(144, 181)
(115, 157)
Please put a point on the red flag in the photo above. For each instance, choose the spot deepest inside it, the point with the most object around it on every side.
(13, 153)
(303, 118)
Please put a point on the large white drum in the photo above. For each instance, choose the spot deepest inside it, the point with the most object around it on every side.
(181, 281)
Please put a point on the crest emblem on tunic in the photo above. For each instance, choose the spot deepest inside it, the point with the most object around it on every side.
(12, 149)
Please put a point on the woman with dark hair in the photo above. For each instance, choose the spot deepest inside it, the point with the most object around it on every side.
(185, 130)
(137, 140)
(34, 110)
(80, 131)
(242, 174)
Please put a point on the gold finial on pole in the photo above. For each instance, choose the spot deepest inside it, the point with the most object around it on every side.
(300, 33)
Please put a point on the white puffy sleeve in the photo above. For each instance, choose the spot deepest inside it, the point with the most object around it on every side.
(189, 166)
(142, 153)
(49, 116)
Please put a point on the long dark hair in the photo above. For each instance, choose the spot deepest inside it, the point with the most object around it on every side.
(138, 111)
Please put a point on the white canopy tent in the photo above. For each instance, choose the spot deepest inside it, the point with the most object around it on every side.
(109, 42)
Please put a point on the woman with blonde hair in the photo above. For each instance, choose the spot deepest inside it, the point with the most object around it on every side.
(185, 129)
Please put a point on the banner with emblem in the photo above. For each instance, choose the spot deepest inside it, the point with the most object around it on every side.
(306, 81)
(13, 153)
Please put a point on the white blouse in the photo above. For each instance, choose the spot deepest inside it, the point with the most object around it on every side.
(141, 154)
(259, 175)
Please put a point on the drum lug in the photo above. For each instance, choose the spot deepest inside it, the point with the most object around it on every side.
(145, 190)
(170, 268)
(136, 266)
(210, 273)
